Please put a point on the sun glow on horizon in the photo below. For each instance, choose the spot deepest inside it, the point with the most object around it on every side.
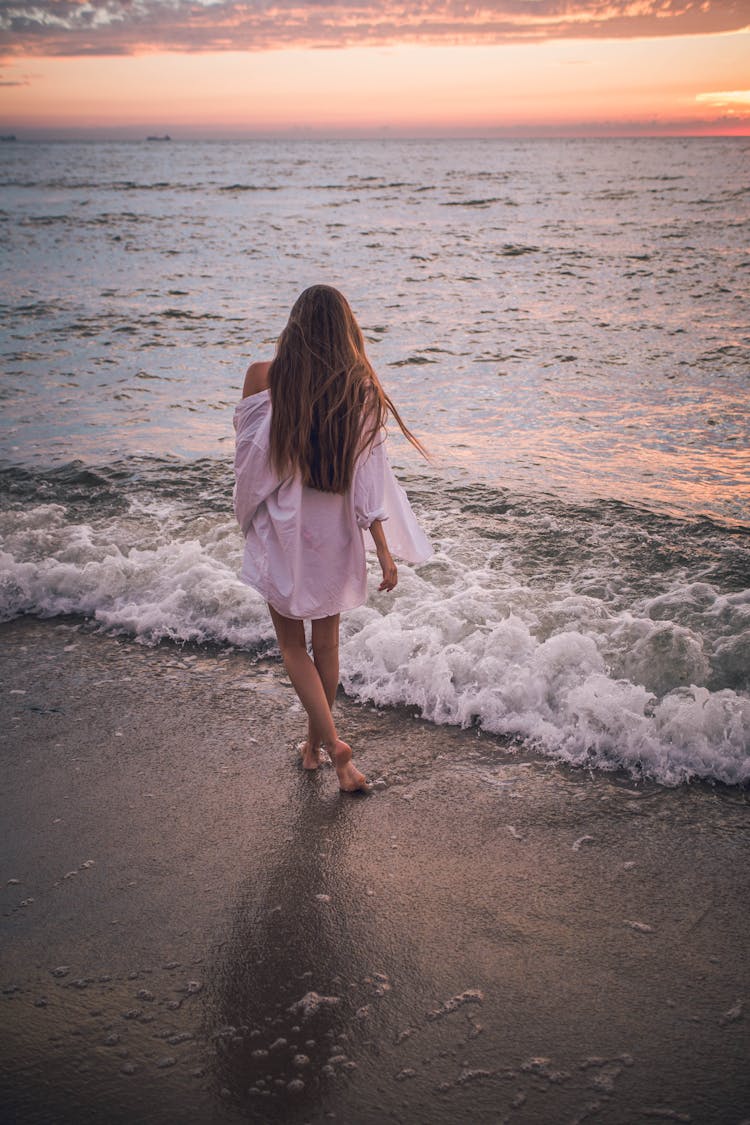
(570, 85)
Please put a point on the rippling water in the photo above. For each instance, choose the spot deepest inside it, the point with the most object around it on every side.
(564, 322)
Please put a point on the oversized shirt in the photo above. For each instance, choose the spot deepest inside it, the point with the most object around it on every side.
(305, 549)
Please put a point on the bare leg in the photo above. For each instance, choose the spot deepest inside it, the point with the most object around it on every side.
(309, 686)
(325, 646)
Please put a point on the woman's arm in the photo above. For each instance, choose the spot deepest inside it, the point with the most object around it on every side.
(387, 565)
(254, 479)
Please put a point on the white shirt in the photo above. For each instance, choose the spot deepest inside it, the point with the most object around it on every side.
(305, 549)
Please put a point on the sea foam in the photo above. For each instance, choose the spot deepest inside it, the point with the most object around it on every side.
(156, 588)
(655, 685)
(468, 660)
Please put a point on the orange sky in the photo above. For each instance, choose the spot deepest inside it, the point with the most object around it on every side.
(246, 67)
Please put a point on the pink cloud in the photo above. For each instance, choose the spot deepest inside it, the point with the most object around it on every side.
(122, 27)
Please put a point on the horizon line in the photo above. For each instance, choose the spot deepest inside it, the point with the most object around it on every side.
(182, 134)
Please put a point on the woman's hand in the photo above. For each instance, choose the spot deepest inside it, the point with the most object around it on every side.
(388, 566)
(385, 558)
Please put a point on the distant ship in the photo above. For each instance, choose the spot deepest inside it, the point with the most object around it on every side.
(166, 137)
(8, 137)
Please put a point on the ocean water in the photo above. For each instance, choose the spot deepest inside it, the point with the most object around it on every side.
(566, 325)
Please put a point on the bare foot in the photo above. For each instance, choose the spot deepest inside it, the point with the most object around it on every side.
(350, 779)
(310, 756)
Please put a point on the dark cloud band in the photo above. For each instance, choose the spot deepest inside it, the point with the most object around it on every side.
(121, 27)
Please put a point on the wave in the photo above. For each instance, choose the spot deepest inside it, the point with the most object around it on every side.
(599, 635)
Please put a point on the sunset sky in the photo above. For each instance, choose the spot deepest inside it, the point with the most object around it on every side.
(226, 68)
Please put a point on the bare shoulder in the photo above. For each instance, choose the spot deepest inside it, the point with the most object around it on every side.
(256, 378)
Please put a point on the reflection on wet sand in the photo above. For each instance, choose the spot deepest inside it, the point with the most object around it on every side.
(292, 991)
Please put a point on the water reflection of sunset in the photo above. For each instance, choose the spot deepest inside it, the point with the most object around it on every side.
(647, 469)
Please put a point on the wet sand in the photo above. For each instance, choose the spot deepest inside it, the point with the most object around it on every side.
(194, 930)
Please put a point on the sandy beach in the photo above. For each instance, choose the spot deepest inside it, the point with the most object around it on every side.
(194, 930)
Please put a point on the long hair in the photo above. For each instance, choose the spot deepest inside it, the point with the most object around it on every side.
(328, 404)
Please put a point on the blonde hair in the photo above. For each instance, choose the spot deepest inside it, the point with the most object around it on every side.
(328, 404)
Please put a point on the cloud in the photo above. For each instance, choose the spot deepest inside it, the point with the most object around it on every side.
(731, 100)
(121, 27)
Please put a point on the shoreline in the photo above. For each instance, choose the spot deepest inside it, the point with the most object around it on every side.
(202, 932)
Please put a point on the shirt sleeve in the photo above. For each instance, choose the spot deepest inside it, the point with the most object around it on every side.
(254, 479)
(369, 484)
(379, 496)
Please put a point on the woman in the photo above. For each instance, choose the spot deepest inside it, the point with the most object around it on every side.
(311, 477)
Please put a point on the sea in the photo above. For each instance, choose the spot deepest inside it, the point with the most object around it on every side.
(564, 323)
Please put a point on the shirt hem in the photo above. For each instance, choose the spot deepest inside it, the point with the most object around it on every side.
(315, 614)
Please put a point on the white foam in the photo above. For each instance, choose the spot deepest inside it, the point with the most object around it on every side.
(652, 685)
(177, 589)
(583, 682)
